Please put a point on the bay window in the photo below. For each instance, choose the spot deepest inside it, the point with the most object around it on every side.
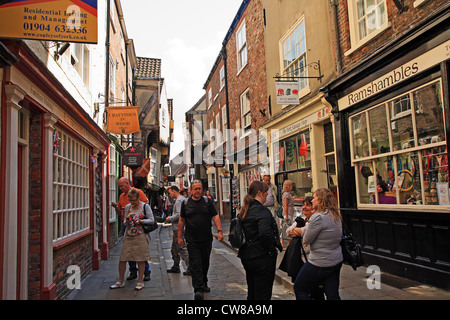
(399, 150)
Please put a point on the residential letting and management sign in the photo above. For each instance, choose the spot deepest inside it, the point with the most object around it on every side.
(51, 20)
(404, 72)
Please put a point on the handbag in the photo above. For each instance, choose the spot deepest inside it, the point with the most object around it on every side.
(236, 236)
(149, 227)
(279, 212)
(351, 250)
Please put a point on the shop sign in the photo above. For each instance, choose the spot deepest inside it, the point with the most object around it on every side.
(287, 92)
(396, 76)
(312, 118)
(50, 20)
(133, 157)
(122, 120)
(144, 170)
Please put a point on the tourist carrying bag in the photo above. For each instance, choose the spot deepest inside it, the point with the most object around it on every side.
(236, 236)
(149, 227)
(351, 250)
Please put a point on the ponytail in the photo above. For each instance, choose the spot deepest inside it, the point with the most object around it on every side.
(249, 198)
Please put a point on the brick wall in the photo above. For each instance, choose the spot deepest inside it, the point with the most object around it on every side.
(400, 23)
(77, 253)
(253, 76)
(34, 254)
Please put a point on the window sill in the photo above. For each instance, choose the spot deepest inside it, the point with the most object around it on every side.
(367, 39)
(58, 244)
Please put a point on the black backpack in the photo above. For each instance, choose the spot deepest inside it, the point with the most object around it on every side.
(236, 236)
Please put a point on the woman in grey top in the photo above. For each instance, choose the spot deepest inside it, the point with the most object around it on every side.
(324, 235)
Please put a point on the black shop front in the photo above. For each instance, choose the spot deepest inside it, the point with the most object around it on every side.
(392, 127)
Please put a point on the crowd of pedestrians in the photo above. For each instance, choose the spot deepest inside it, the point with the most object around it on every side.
(313, 257)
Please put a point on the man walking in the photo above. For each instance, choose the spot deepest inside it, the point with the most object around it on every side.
(196, 214)
(177, 250)
(125, 187)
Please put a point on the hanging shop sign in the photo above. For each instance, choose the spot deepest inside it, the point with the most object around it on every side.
(144, 170)
(133, 157)
(50, 20)
(396, 76)
(287, 92)
(122, 120)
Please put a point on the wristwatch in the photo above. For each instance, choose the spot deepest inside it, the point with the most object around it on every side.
(219, 230)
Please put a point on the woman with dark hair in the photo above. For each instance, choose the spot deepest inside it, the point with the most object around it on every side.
(323, 235)
(259, 255)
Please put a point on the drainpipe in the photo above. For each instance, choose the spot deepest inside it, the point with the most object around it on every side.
(334, 14)
(107, 44)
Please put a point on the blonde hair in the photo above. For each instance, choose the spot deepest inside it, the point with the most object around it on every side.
(327, 201)
(285, 185)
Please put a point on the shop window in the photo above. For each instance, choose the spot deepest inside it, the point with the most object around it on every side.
(293, 162)
(225, 189)
(70, 186)
(112, 182)
(408, 159)
(212, 184)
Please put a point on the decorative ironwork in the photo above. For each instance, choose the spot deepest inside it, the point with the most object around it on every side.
(313, 65)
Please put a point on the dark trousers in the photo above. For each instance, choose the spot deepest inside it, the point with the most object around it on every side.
(260, 274)
(199, 254)
(134, 269)
(311, 276)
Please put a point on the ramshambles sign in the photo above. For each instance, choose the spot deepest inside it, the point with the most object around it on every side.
(402, 73)
(122, 120)
(53, 20)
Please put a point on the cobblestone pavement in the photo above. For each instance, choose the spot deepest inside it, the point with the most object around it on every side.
(227, 279)
(226, 276)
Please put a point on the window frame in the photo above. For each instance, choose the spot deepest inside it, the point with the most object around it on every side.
(355, 42)
(244, 112)
(241, 49)
(71, 195)
(303, 83)
(418, 150)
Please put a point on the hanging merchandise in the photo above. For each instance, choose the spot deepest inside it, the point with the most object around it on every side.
(55, 142)
(290, 151)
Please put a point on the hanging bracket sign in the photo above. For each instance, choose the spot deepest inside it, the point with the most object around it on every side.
(133, 157)
(122, 120)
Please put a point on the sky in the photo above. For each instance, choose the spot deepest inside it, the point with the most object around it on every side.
(187, 36)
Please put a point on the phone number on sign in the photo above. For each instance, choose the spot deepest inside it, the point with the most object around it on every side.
(58, 28)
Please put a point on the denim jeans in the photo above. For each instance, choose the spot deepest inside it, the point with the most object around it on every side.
(134, 269)
(311, 276)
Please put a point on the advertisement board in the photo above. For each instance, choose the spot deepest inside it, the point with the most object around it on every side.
(50, 20)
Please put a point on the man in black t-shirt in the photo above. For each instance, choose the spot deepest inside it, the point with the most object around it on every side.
(196, 214)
